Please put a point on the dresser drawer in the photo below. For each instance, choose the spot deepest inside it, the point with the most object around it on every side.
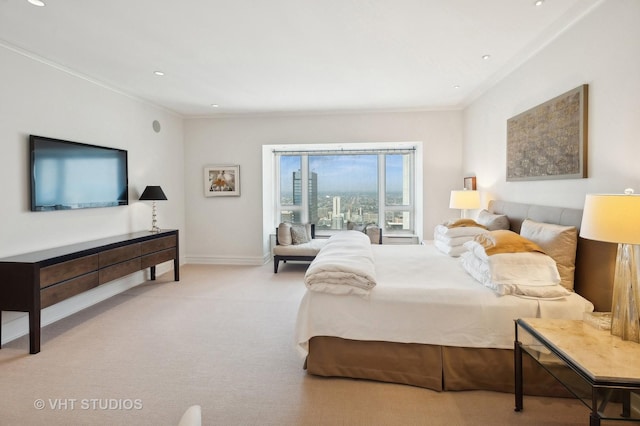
(159, 257)
(64, 290)
(119, 270)
(158, 244)
(120, 254)
(67, 270)
(33, 281)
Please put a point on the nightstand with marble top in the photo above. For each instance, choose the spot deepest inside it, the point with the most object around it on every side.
(601, 370)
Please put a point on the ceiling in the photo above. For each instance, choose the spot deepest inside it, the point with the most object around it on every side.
(283, 56)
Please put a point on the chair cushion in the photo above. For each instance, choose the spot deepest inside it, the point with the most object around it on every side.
(307, 249)
(284, 234)
(299, 234)
(373, 232)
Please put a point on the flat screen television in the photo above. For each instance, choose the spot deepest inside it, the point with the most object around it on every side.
(71, 175)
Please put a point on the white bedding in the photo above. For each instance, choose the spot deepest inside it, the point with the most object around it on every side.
(425, 296)
(343, 266)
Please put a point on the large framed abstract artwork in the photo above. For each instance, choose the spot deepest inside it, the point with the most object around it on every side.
(549, 141)
(223, 180)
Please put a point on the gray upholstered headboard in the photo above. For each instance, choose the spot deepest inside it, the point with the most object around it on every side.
(595, 261)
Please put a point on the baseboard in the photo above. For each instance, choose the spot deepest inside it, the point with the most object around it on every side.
(224, 260)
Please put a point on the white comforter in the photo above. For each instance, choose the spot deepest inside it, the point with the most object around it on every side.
(343, 266)
(425, 296)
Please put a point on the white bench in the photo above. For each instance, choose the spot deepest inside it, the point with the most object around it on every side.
(308, 251)
(305, 252)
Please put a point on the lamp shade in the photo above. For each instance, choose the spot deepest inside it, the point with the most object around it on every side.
(464, 200)
(613, 218)
(153, 193)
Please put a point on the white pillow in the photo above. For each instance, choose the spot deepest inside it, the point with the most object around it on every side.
(559, 242)
(492, 221)
(530, 274)
(524, 268)
(284, 234)
(451, 241)
(451, 250)
(462, 231)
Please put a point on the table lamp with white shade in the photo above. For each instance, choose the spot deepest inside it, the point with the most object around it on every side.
(464, 200)
(615, 218)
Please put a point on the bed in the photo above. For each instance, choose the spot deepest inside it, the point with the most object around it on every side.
(398, 333)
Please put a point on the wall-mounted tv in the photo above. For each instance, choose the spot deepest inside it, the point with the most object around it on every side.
(70, 175)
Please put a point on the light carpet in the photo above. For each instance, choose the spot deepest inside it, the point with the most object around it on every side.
(222, 338)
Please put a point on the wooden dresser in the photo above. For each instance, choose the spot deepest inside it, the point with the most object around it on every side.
(32, 281)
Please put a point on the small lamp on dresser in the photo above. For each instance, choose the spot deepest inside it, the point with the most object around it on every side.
(464, 200)
(615, 218)
(153, 193)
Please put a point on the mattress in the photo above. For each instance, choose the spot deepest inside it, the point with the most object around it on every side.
(424, 296)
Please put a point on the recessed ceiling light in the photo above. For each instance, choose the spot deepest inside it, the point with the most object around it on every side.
(456, 86)
(160, 73)
(215, 106)
(538, 3)
(485, 57)
(38, 3)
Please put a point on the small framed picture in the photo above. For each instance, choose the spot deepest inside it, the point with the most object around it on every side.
(470, 183)
(222, 181)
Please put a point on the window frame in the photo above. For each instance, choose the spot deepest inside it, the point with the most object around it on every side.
(381, 150)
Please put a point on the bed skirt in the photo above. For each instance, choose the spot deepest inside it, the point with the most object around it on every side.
(440, 368)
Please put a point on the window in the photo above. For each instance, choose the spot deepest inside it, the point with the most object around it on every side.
(344, 186)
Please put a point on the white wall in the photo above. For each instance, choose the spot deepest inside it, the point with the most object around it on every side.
(40, 99)
(230, 229)
(603, 51)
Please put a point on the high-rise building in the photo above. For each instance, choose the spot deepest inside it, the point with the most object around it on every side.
(313, 197)
(297, 188)
(313, 194)
(336, 206)
(337, 218)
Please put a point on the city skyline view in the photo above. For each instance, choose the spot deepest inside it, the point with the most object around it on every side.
(344, 188)
(345, 173)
